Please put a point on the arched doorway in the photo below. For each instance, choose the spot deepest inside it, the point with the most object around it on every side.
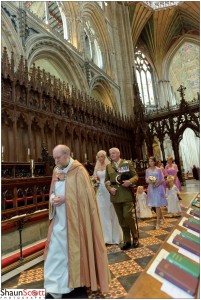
(189, 149)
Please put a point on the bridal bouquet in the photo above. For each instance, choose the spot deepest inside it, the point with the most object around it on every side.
(152, 179)
(95, 181)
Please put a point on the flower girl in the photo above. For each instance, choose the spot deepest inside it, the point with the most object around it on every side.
(143, 211)
(172, 194)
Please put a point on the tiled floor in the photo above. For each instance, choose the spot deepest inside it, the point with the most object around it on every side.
(125, 266)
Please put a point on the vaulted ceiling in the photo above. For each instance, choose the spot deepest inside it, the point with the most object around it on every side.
(157, 30)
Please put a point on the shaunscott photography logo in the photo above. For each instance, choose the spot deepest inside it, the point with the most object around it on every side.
(18, 294)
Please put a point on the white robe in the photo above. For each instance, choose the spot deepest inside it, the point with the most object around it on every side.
(143, 211)
(56, 263)
(112, 231)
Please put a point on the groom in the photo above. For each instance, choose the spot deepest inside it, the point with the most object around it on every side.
(121, 196)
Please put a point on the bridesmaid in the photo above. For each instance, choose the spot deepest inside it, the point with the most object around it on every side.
(112, 231)
(155, 193)
(172, 170)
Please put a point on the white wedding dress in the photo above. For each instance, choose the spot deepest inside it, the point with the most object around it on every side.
(111, 229)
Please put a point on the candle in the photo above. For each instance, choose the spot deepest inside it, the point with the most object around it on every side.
(72, 154)
(2, 149)
(28, 151)
(85, 156)
(32, 163)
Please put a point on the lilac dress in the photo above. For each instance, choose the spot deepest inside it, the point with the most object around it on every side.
(156, 196)
(172, 170)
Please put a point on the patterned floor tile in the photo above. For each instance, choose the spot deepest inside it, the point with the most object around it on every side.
(139, 252)
(129, 280)
(147, 227)
(117, 257)
(116, 291)
(128, 267)
(113, 248)
(142, 224)
(154, 248)
(144, 261)
(31, 276)
(144, 235)
(32, 285)
(169, 228)
(158, 232)
(150, 241)
(162, 237)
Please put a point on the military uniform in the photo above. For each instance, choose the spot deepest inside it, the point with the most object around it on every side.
(123, 199)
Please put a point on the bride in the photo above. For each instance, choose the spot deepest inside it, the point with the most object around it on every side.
(112, 231)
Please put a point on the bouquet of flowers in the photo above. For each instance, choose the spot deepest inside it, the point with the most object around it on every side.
(95, 181)
(152, 179)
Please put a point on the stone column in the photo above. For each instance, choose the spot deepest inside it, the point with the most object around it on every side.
(161, 93)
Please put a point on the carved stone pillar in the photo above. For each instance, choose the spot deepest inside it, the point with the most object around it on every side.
(161, 93)
(165, 93)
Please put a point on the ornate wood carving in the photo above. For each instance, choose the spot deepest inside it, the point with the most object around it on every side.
(38, 95)
(24, 195)
(170, 120)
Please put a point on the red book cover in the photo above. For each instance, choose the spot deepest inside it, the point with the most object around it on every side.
(177, 276)
(195, 213)
(187, 244)
(192, 226)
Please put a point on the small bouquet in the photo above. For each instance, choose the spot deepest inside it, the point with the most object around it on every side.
(152, 179)
(95, 181)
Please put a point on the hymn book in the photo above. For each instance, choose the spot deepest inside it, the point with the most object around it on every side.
(190, 236)
(186, 244)
(195, 212)
(184, 263)
(192, 226)
(177, 276)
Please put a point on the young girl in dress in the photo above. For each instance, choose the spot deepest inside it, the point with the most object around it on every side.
(172, 170)
(141, 198)
(172, 193)
(156, 192)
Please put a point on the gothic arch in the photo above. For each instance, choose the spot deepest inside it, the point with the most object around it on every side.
(100, 89)
(174, 48)
(183, 128)
(43, 47)
(71, 12)
(91, 11)
(10, 38)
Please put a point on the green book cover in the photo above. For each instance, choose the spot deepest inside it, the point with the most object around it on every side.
(190, 236)
(195, 221)
(184, 263)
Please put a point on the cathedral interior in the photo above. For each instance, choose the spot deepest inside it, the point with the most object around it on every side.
(93, 75)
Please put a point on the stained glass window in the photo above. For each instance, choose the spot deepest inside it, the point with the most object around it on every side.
(144, 79)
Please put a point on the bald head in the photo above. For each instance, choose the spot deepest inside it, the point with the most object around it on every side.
(61, 154)
(62, 148)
